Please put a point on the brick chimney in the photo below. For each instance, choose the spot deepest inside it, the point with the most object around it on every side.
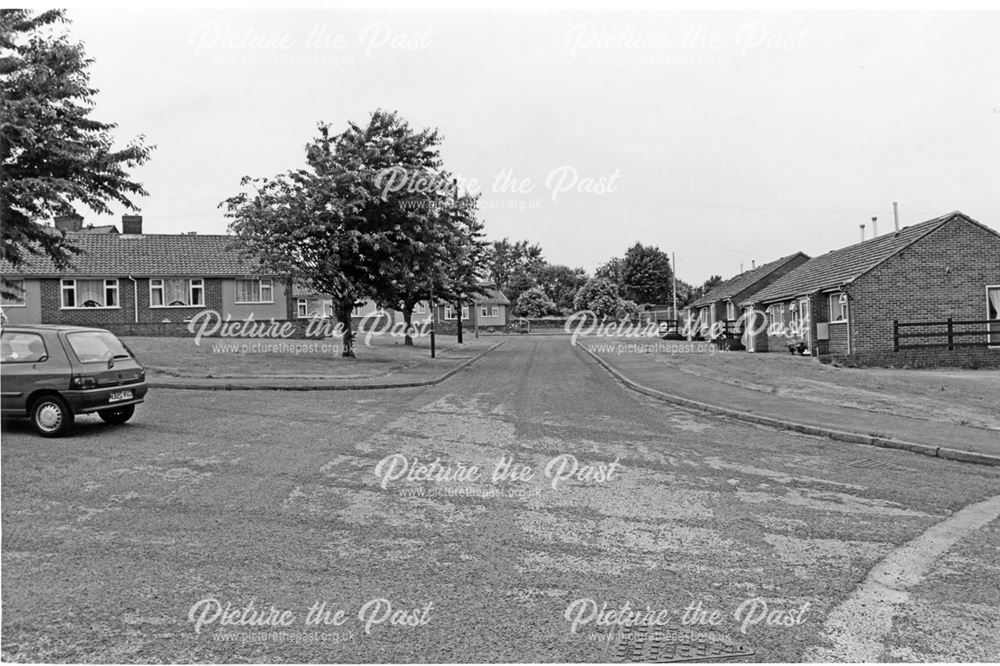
(132, 224)
(72, 222)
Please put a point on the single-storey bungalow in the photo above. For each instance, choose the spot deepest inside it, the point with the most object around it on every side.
(487, 311)
(721, 304)
(133, 278)
(924, 295)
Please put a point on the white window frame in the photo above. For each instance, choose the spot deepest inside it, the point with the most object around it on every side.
(302, 308)
(193, 284)
(484, 311)
(778, 314)
(9, 304)
(420, 308)
(110, 284)
(359, 310)
(730, 311)
(259, 291)
(449, 312)
(836, 305)
(990, 342)
(465, 313)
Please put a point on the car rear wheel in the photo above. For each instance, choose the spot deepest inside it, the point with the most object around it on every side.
(117, 415)
(51, 416)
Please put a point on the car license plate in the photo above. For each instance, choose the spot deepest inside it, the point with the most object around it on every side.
(118, 396)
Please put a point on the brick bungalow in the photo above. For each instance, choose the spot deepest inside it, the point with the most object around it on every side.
(130, 281)
(722, 303)
(842, 305)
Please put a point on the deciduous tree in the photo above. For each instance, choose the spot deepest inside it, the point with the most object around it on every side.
(53, 154)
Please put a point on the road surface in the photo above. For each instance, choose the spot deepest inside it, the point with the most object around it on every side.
(127, 543)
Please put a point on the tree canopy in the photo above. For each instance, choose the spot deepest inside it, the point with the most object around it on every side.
(353, 226)
(53, 154)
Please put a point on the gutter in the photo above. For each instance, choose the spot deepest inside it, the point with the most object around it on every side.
(135, 297)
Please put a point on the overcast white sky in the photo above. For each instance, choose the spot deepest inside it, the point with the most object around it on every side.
(725, 137)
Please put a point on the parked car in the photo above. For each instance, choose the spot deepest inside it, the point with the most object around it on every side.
(51, 373)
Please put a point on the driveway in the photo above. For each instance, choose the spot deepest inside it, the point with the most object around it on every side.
(126, 544)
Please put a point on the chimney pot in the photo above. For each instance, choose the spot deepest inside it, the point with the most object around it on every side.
(132, 224)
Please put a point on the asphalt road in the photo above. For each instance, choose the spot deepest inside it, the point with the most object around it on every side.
(120, 542)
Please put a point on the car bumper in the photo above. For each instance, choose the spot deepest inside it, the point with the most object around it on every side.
(92, 400)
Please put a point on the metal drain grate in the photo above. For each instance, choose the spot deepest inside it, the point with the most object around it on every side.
(659, 644)
(875, 463)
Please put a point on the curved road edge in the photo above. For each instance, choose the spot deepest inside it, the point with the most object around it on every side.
(804, 428)
(326, 387)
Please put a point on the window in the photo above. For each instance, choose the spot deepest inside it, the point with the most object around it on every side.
(838, 307)
(13, 293)
(449, 312)
(993, 314)
(494, 311)
(89, 293)
(484, 311)
(97, 346)
(21, 348)
(465, 312)
(777, 312)
(359, 310)
(172, 293)
(730, 311)
(302, 308)
(420, 309)
(255, 291)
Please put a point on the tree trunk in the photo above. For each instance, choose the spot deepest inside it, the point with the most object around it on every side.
(408, 320)
(344, 309)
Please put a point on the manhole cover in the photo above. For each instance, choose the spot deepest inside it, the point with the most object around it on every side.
(659, 644)
(875, 463)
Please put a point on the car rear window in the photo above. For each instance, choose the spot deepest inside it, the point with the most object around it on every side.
(21, 347)
(90, 346)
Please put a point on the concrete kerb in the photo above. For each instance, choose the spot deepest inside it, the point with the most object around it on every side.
(325, 387)
(804, 428)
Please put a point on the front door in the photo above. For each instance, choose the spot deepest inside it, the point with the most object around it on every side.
(805, 322)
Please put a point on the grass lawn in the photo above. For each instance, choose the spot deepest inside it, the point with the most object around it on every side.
(964, 397)
(233, 358)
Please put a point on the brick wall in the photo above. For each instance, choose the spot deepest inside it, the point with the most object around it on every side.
(838, 340)
(180, 329)
(943, 275)
(52, 312)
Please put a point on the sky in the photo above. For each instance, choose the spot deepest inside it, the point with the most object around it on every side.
(725, 137)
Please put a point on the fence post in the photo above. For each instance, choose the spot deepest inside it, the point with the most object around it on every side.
(951, 336)
(895, 335)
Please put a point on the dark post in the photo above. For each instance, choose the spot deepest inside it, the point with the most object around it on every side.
(951, 335)
(459, 320)
(895, 335)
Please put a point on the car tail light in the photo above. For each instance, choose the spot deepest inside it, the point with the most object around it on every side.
(83, 382)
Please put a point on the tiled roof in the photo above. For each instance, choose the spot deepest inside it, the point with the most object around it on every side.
(743, 281)
(103, 229)
(493, 296)
(831, 270)
(145, 255)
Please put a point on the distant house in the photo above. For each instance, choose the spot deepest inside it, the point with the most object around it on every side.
(485, 311)
(843, 304)
(135, 278)
(722, 304)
